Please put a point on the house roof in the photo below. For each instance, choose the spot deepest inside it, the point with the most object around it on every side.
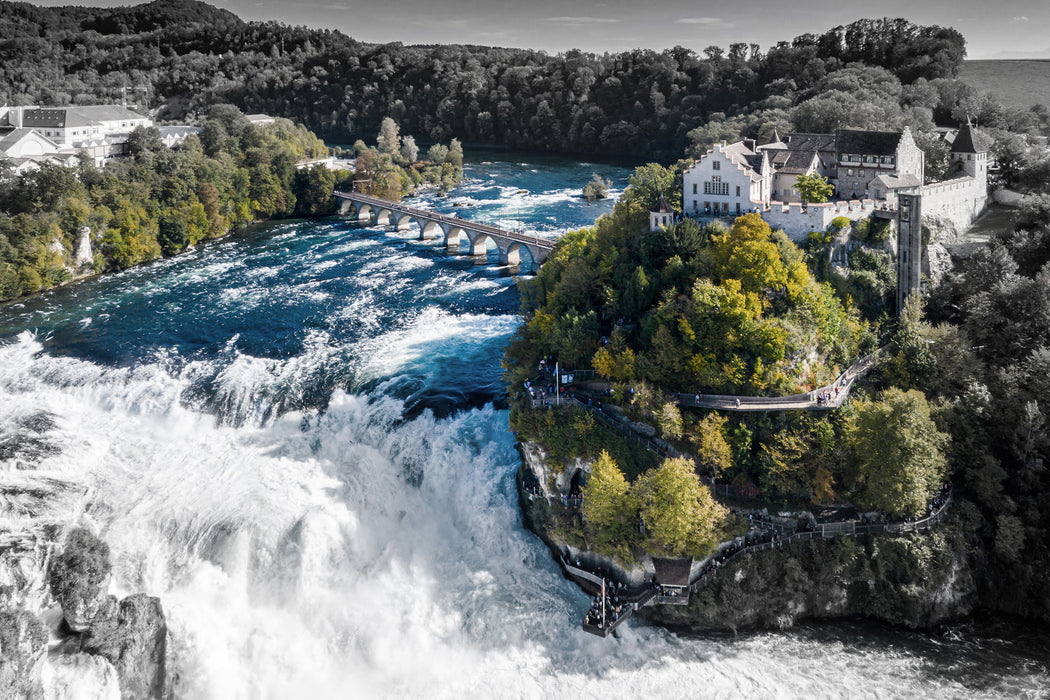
(741, 155)
(9, 139)
(967, 142)
(876, 143)
(673, 572)
(799, 162)
(662, 207)
(898, 183)
(810, 142)
(86, 115)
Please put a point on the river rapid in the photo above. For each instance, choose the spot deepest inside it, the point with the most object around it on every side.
(295, 438)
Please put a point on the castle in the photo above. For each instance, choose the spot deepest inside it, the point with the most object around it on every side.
(869, 170)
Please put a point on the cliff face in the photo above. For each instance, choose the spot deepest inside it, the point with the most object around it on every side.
(916, 581)
(101, 644)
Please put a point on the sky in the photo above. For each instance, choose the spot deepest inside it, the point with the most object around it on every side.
(1002, 29)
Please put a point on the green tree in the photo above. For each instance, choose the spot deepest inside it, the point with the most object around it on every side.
(899, 453)
(678, 511)
(389, 138)
(609, 513)
(712, 449)
(173, 234)
(813, 189)
(596, 188)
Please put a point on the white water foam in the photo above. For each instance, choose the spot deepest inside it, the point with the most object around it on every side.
(359, 554)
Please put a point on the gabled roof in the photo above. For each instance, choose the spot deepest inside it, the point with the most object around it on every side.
(11, 138)
(967, 142)
(870, 143)
(800, 162)
(742, 156)
(897, 183)
(810, 142)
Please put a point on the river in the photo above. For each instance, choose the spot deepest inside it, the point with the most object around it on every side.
(294, 436)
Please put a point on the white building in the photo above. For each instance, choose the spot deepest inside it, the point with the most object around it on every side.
(25, 150)
(728, 180)
(101, 131)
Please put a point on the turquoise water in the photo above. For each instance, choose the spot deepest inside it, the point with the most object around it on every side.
(295, 437)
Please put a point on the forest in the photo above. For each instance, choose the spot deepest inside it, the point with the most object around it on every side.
(158, 201)
(185, 56)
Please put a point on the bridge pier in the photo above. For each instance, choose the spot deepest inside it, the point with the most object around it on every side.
(382, 212)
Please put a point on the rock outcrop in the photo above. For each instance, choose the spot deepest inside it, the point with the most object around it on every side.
(133, 636)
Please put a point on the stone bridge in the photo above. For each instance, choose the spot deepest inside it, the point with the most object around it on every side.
(383, 212)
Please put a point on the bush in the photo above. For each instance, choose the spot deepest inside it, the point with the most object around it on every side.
(81, 569)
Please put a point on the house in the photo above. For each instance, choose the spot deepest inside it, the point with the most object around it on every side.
(869, 169)
(863, 156)
(25, 150)
(663, 216)
(101, 131)
(728, 180)
(799, 154)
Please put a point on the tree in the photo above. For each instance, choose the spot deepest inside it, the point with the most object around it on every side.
(609, 513)
(455, 154)
(173, 233)
(899, 453)
(670, 419)
(813, 189)
(679, 513)
(389, 139)
(437, 153)
(711, 447)
(596, 188)
(81, 571)
(409, 149)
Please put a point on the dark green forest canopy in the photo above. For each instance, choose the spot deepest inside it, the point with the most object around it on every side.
(191, 55)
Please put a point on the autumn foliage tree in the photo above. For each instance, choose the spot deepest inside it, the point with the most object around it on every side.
(679, 513)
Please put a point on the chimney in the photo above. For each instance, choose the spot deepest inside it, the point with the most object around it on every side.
(750, 144)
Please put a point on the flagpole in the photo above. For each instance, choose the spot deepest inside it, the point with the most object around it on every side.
(603, 601)
(557, 384)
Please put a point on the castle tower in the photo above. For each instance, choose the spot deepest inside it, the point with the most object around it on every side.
(969, 156)
(909, 247)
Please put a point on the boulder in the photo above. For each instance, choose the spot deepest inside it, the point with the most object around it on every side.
(133, 636)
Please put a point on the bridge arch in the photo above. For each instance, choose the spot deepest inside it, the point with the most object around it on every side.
(383, 217)
(519, 254)
(453, 236)
(479, 243)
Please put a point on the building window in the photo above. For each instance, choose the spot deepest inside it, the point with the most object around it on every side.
(716, 165)
(860, 173)
(716, 186)
(738, 208)
(849, 172)
(738, 190)
(694, 188)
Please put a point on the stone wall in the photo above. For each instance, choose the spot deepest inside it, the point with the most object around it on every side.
(959, 201)
(797, 222)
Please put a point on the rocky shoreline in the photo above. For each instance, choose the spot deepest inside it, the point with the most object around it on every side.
(60, 629)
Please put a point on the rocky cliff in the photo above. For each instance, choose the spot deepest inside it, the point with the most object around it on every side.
(916, 580)
(57, 596)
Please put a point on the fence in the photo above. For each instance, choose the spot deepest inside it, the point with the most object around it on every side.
(826, 531)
